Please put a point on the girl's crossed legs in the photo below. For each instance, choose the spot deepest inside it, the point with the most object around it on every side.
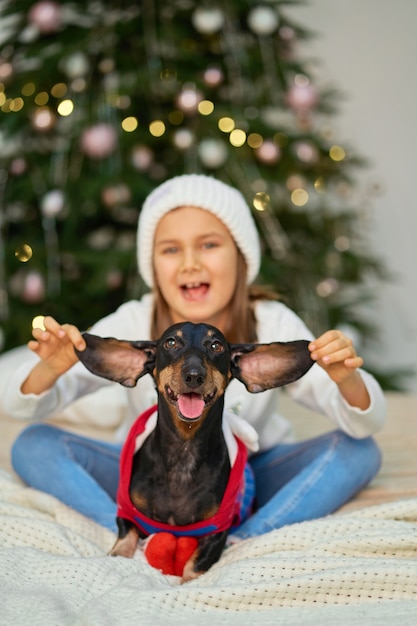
(294, 482)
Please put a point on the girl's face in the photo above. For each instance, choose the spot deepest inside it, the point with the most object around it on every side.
(195, 262)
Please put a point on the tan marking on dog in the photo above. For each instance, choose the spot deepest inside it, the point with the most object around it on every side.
(139, 501)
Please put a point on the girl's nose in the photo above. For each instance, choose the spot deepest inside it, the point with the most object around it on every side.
(190, 261)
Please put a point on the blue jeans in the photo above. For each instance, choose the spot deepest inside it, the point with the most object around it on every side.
(294, 482)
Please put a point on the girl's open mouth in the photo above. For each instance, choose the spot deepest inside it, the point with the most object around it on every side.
(194, 291)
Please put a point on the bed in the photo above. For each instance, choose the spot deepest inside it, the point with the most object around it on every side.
(357, 565)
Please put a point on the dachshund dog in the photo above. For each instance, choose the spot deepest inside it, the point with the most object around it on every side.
(180, 478)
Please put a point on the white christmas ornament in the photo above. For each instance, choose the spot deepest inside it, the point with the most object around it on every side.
(263, 20)
(183, 139)
(52, 203)
(76, 65)
(212, 152)
(208, 21)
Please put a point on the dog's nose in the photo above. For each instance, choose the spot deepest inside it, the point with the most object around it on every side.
(193, 377)
(193, 371)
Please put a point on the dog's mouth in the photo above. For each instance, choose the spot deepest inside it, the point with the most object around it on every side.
(190, 406)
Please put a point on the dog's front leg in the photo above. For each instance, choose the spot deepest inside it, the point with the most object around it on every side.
(127, 540)
(210, 548)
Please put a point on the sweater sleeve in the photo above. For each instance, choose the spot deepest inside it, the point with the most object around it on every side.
(130, 321)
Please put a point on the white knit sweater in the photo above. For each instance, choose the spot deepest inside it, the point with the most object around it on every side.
(275, 321)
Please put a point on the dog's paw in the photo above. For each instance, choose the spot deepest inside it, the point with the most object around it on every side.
(125, 547)
(189, 572)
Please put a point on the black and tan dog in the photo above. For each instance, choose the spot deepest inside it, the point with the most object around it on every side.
(180, 474)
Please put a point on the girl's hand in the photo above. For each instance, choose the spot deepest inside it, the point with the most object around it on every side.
(55, 345)
(335, 353)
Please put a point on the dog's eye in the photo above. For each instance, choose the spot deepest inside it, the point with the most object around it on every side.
(217, 346)
(170, 343)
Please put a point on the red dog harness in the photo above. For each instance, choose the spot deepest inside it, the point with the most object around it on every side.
(235, 505)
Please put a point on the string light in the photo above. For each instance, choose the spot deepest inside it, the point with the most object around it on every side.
(299, 197)
(16, 104)
(176, 117)
(337, 153)
(24, 253)
(41, 98)
(205, 107)
(237, 137)
(65, 108)
(226, 124)
(58, 90)
(157, 128)
(254, 140)
(129, 124)
(38, 322)
(319, 185)
(28, 89)
(261, 201)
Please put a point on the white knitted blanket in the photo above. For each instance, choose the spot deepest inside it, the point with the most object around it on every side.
(359, 567)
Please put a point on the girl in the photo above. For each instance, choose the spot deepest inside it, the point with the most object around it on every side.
(198, 250)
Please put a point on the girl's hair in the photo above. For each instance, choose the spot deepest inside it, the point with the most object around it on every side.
(241, 326)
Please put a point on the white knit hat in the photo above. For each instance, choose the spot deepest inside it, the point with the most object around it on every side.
(203, 192)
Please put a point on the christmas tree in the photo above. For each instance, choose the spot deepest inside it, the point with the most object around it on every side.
(101, 101)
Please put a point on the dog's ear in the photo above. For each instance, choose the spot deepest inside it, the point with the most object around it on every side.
(122, 361)
(264, 366)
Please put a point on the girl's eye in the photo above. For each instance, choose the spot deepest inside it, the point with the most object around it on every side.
(170, 343)
(210, 244)
(217, 346)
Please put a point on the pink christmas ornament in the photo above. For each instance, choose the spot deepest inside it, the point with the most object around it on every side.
(213, 76)
(268, 152)
(43, 119)
(46, 16)
(114, 279)
(33, 288)
(188, 99)
(306, 152)
(116, 195)
(99, 141)
(142, 157)
(302, 95)
(18, 166)
(6, 70)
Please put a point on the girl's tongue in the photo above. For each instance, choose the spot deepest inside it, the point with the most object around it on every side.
(195, 292)
(191, 405)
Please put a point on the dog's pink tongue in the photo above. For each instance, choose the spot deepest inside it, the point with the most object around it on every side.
(191, 405)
